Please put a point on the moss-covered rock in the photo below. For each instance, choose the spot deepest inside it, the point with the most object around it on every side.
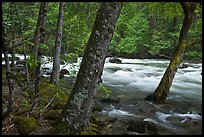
(61, 128)
(25, 125)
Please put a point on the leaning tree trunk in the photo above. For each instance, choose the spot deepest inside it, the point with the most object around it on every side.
(78, 108)
(56, 61)
(164, 86)
(39, 39)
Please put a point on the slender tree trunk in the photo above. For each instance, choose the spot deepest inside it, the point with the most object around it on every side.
(164, 86)
(39, 39)
(8, 75)
(24, 49)
(56, 62)
(26, 66)
(13, 57)
(78, 108)
(152, 22)
(12, 37)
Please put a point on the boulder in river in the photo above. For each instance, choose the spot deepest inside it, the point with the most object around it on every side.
(183, 65)
(142, 127)
(115, 60)
(63, 72)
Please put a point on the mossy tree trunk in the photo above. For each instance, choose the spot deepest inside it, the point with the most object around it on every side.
(56, 61)
(78, 108)
(164, 86)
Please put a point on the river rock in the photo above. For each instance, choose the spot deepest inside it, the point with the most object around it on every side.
(63, 72)
(183, 65)
(110, 100)
(142, 127)
(115, 60)
(140, 108)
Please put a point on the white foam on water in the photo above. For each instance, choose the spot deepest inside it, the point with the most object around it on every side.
(161, 117)
(117, 113)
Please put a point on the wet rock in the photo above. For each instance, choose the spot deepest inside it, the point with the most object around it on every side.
(110, 100)
(97, 107)
(142, 127)
(63, 72)
(48, 73)
(115, 60)
(183, 65)
(133, 133)
(140, 108)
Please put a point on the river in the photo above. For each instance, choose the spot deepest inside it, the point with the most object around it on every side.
(134, 79)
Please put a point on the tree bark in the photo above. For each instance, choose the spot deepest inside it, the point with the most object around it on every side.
(56, 62)
(39, 39)
(161, 92)
(78, 108)
(12, 37)
(8, 75)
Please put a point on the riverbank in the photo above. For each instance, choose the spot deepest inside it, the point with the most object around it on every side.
(149, 56)
(129, 83)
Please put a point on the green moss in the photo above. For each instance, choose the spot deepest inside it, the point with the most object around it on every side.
(59, 105)
(53, 114)
(60, 128)
(25, 125)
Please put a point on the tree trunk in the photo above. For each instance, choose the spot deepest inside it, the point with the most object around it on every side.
(24, 49)
(78, 108)
(152, 22)
(56, 62)
(164, 86)
(12, 37)
(8, 75)
(39, 39)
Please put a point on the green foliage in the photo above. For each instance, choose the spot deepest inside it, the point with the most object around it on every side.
(31, 62)
(43, 46)
(25, 103)
(103, 90)
(70, 57)
(133, 34)
(193, 55)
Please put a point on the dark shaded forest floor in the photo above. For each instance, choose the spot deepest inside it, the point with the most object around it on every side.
(52, 99)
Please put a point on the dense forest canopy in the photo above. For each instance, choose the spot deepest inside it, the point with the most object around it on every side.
(144, 29)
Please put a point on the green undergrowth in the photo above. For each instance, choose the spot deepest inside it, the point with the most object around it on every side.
(60, 128)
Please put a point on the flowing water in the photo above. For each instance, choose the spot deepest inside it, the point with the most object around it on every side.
(137, 78)
(134, 79)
